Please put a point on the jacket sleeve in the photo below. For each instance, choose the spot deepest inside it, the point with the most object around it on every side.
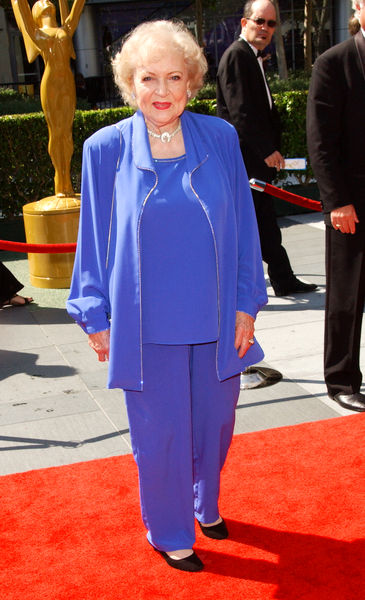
(325, 108)
(88, 301)
(251, 285)
(238, 84)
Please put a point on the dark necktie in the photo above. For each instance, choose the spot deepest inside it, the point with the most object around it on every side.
(259, 53)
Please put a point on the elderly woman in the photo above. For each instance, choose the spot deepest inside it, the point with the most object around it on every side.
(168, 280)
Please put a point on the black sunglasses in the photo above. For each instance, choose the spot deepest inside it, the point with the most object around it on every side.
(270, 23)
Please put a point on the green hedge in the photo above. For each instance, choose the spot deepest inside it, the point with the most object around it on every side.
(26, 173)
(12, 102)
(292, 108)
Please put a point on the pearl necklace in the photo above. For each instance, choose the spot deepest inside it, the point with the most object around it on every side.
(165, 136)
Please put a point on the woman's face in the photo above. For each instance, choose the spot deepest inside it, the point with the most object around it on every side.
(160, 87)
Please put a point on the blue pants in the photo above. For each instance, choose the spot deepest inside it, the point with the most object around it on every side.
(181, 427)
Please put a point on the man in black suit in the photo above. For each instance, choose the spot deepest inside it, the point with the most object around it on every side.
(244, 99)
(336, 134)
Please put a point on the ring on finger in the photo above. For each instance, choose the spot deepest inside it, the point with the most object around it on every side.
(251, 341)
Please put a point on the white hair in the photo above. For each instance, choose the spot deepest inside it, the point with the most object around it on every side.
(356, 3)
(152, 39)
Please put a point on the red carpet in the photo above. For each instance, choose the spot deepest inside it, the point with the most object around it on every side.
(294, 503)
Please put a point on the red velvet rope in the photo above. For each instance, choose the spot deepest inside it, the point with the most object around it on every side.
(37, 248)
(64, 248)
(292, 198)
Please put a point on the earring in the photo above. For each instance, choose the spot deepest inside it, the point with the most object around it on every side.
(188, 93)
(133, 96)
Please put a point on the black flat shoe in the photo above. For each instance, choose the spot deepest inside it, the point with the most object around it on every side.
(192, 563)
(354, 401)
(216, 532)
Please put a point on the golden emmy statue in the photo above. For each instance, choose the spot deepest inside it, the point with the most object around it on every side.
(42, 35)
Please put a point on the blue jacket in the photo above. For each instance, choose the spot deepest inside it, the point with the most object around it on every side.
(117, 180)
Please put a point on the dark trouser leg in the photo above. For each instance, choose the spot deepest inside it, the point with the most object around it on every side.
(9, 285)
(273, 252)
(345, 293)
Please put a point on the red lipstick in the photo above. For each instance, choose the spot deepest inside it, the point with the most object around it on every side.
(162, 105)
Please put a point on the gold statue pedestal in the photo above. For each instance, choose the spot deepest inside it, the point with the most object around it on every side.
(52, 220)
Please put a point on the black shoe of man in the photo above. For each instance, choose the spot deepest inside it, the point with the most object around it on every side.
(292, 286)
(355, 401)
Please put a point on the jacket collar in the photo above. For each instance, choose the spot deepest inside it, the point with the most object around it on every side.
(194, 140)
(142, 156)
(254, 50)
(247, 45)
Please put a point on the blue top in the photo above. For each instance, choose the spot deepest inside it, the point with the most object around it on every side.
(179, 279)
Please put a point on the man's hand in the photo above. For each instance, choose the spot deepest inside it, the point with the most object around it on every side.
(275, 160)
(244, 332)
(344, 219)
(100, 342)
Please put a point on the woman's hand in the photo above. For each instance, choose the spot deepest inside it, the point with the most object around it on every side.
(100, 342)
(244, 332)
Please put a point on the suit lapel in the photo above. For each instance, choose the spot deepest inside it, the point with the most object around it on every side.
(260, 76)
(360, 47)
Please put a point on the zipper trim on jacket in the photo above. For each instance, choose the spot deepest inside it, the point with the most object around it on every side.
(216, 255)
(113, 200)
(139, 263)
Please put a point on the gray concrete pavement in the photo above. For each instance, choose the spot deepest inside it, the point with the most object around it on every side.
(55, 410)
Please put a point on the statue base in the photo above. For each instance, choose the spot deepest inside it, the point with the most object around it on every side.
(52, 220)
